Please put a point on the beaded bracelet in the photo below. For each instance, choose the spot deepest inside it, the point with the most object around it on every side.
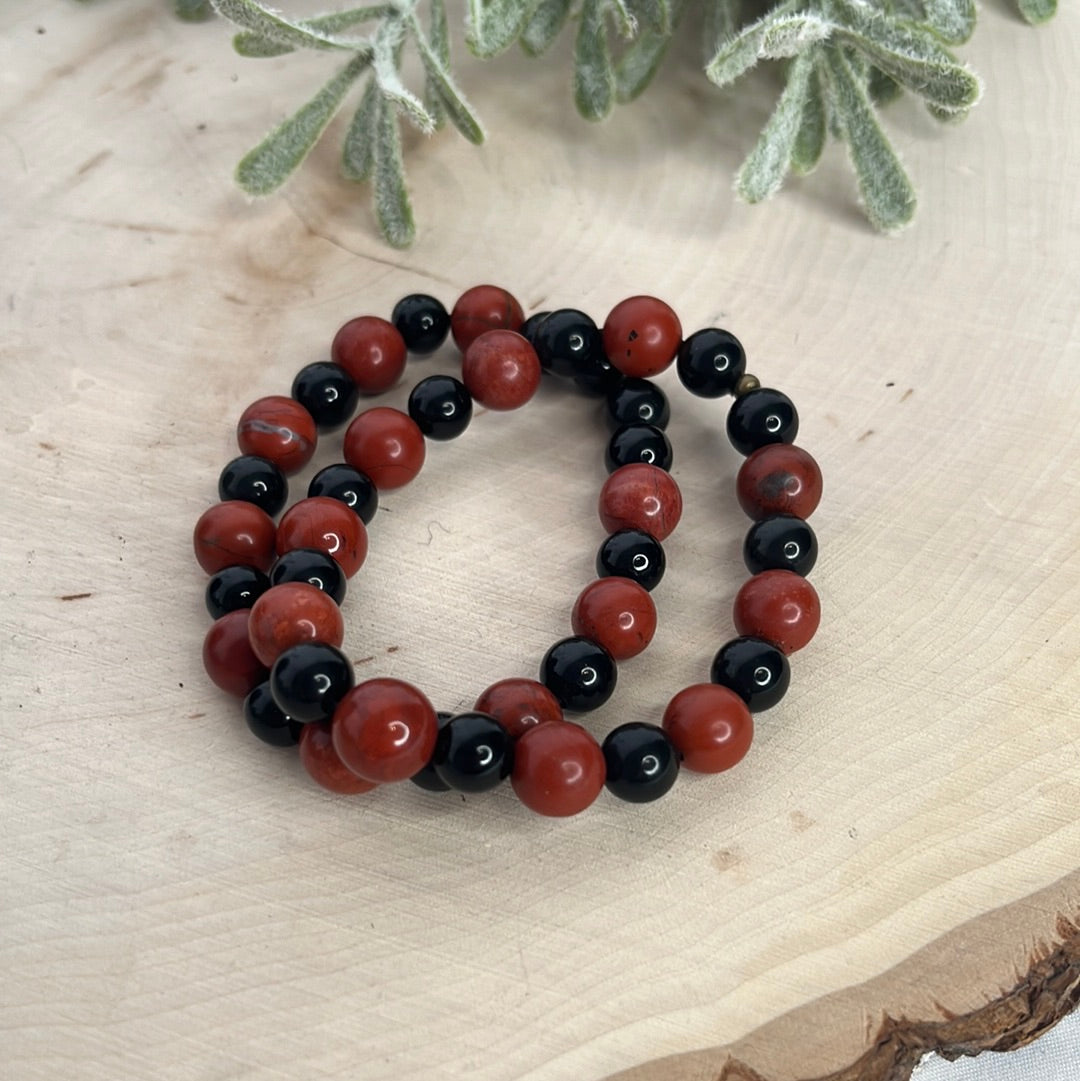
(275, 591)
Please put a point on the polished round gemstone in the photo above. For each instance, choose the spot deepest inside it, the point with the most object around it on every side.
(780, 542)
(291, 613)
(342, 482)
(779, 606)
(761, 417)
(711, 362)
(558, 769)
(265, 719)
(310, 565)
(617, 614)
(327, 392)
(371, 351)
(254, 480)
(279, 429)
(519, 704)
(327, 525)
(324, 766)
(568, 342)
(233, 588)
(473, 753)
(710, 727)
(234, 533)
(227, 655)
(386, 445)
(441, 406)
(642, 497)
(580, 673)
(309, 680)
(779, 479)
(633, 554)
(483, 308)
(501, 370)
(638, 443)
(756, 670)
(637, 401)
(426, 777)
(641, 762)
(641, 336)
(422, 321)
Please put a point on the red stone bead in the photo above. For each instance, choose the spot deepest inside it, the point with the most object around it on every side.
(558, 769)
(642, 336)
(280, 429)
(384, 730)
(710, 727)
(228, 657)
(291, 613)
(234, 533)
(318, 757)
(501, 370)
(482, 308)
(372, 351)
(617, 614)
(779, 479)
(519, 704)
(780, 606)
(326, 524)
(641, 496)
(387, 445)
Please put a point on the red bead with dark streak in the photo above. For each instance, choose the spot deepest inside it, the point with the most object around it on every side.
(483, 308)
(780, 606)
(280, 429)
(779, 479)
(291, 613)
(328, 525)
(234, 533)
(641, 496)
(617, 614)
(519, 704)
(227, 655)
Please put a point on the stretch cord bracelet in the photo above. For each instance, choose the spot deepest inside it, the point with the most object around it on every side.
(275, 591)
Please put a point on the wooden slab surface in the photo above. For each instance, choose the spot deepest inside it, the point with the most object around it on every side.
(902, 842)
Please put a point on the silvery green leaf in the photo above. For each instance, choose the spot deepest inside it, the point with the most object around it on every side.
(882, 88)
(952, 20)
(640, 62)
(249, 15)
(914, 58)
(494, 25)
(544, 25)
(594, 75)
(1037, 11)
(771, 38)
(947, 116)
(385, 67)
(722, 20)
(761, 175)
(192, 10)
(274, 160)
(451, 98)
(255, 45)
(392, 207)
(625, 20)
(888, 198)
(438, 40)
(358, 153)
(655, 15)
(810, 141)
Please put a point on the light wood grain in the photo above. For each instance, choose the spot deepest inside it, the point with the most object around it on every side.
(177, 901)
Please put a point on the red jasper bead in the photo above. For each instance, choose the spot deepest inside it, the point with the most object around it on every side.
(318, 757)
(387, 445)
(617, 614)
(559, 769)
(710, 727)
(519, 704)
(328, 525)
(372, 351)
(483, 308)
(291, 613)
(640, 496)
(501, 370)
(279, 429)
(780, 606)
(642, 336)
(227, 655)
(384, 730)
(779, 479)
(234, 533)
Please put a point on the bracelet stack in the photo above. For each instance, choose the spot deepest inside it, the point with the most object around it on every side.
(275, 591)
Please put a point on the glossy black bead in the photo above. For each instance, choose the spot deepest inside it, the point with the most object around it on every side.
(761, 417)
(642, 764)
(638, 401)
(313, 566)
(756, 670)
(327, 392)
(309, 680)
(529, 328)
(441, 406)
(422, 321)
(233, 588)
(568, 342)
(580, 673)
(266, 720)
(636, 443)
(633, 554)
(353, 488)
(473, 753)
(597, 376)
(711, 362)
(254, 480)
(780, 542)
(427, 778)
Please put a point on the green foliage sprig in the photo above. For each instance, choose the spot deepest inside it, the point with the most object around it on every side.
(843, 60)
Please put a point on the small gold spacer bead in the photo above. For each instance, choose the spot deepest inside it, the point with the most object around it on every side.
(746, 384)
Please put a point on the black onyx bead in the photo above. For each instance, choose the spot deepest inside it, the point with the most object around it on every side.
(580, 673)
(309, 680)
(598, 376)
(473, 753)
(638, 401)
(427, 778)
(642, 764)
(633, 554)
(313, 566)
(327, 392)
(756, 670)
(780, 542)
(638, 443)
(529, 328)
(441, 406)
(350, 486)
(761, 417)
(710, 362)
(254, 480)
(234, 588)
(266, 720)
(422, 321)
(568, 342)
